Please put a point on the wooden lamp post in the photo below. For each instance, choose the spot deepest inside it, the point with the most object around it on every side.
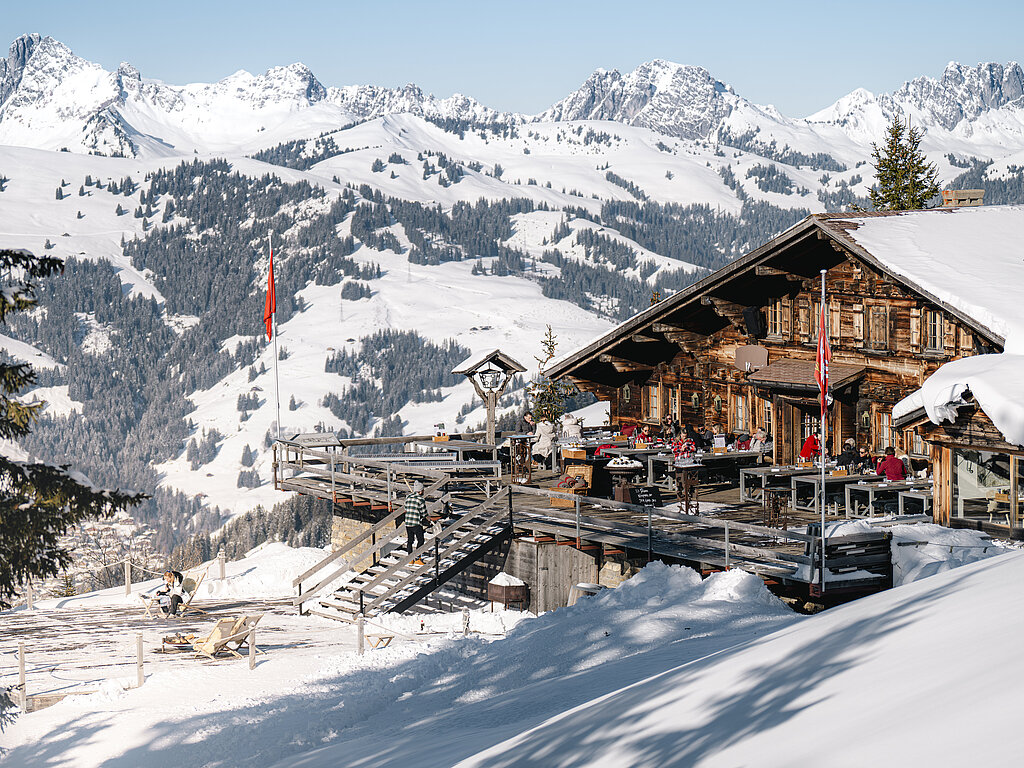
(490, 374)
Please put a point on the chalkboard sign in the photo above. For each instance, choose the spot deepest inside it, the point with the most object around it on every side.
(643, 496)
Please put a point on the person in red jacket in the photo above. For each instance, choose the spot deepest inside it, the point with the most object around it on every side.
(811, 448)
(891, 467)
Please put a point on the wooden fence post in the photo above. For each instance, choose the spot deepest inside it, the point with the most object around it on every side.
(221, 561)
(23, 691)
(252, 645)
(29, 597)
(127, 577)
(727, 545)
(465, 622)
(360, 629)
(138, 652)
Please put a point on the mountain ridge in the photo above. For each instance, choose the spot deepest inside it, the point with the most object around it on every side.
(51, 98)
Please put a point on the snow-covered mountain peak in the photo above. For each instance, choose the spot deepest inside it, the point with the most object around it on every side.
(674, 99)
(963, 93)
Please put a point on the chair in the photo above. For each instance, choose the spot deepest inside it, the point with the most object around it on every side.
(240, 630)
(189, 586)
(225, 633)
(217, 640)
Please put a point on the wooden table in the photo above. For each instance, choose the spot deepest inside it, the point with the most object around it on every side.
(877, 491)
(814, 481)
(770, 477)
(925, 497)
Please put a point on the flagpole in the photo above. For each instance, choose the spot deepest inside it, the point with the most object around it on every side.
(277, 378)
(823, 333)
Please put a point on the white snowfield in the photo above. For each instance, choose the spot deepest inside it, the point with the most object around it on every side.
(664, 670)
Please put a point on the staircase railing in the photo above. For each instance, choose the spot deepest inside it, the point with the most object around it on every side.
(376, 546)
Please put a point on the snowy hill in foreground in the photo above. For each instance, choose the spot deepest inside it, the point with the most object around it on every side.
(664, 670)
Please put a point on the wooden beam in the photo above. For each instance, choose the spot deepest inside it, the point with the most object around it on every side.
(666, 328)
(623, 365)
(765, 271)
(639, 338)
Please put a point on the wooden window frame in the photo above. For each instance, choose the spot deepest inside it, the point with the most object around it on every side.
(871, 311)
(933, 331)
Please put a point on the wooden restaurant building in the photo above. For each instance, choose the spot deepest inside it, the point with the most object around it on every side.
(905, 294)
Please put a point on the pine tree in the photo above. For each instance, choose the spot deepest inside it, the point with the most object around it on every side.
(548, 396)
(904, 179)
(39, 503)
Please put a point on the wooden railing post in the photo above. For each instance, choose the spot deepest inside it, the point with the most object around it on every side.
(221, 561)
(22, 690)
(252, 644)
(360, 628)
(127, 577)
(650, 533)
(140, 672)
(29, 597)
(727, 545)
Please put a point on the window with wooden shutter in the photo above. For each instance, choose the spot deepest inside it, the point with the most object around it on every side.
(934, 331)
(915, 330)
(877, 336)
(835, 333)
(949, 338)
(786, 317)
(857, 310)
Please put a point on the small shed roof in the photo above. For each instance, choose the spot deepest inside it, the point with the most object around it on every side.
(799, 374)
(474, 363)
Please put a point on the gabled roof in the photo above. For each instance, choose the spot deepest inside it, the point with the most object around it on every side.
(472, 364)
(969, 261)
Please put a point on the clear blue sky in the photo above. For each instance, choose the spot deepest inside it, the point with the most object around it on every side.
(524, 55)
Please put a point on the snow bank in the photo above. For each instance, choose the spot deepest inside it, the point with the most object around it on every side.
(265, 572)
(856, 685)
(924, 549)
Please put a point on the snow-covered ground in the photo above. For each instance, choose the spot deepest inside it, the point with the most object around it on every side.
(664, 670)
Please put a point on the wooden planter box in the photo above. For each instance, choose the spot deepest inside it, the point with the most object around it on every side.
(506, 595)
(586, 471)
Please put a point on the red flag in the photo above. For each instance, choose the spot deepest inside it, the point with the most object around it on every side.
(271, 306)
(821, 361)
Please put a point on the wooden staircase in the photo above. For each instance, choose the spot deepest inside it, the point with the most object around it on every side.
(384, 578)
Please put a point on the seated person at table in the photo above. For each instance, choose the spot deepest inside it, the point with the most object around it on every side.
(543, 441)
(864, 462)
(848, 457)
(571, 429)
(526, 425)
(669, 427)
(698, 440)
(891, 467)
(811, 448)
(644, 435)
(759, 440)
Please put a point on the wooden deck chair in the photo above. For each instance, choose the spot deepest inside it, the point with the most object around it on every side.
(190, 586)
(217, 641)
(241, 630)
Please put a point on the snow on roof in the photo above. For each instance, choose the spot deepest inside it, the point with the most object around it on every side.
(971, 259)
(993, 380)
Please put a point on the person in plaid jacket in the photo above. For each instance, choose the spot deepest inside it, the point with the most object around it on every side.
(415, 515)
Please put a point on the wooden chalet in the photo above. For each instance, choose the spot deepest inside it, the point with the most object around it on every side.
(737, 348)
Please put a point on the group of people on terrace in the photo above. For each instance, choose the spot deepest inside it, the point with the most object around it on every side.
(704, 438)
(860, 461)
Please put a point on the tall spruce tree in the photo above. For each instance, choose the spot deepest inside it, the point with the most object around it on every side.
(904, 179)
(38, 502)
